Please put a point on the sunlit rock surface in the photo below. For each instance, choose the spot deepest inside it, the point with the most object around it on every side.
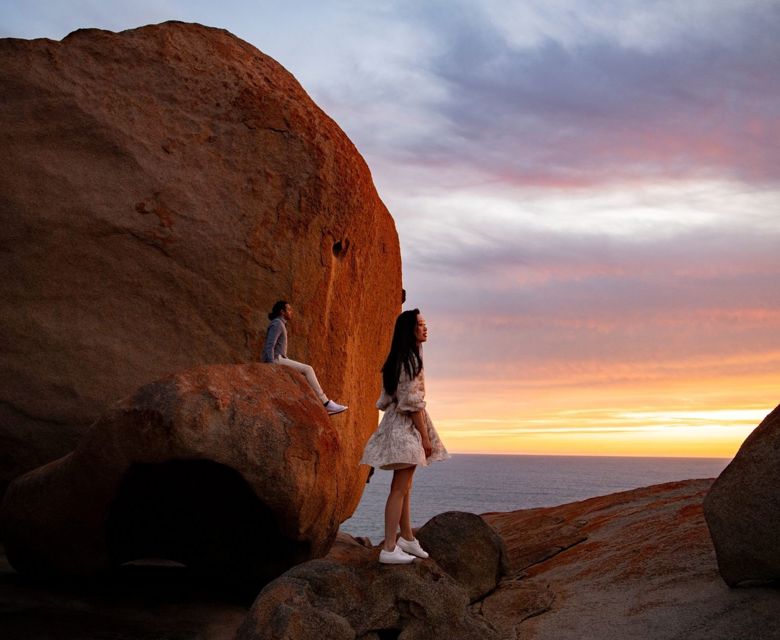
(635, 564)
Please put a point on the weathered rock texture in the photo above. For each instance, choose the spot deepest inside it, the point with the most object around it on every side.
(743, 508)
(350, 595)
(232, 470)
(636, 564)
(161, 188)
(468, 549)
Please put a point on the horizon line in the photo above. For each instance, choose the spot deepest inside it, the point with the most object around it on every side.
(584, 455)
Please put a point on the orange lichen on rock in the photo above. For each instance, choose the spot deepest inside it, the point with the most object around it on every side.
(636, 564)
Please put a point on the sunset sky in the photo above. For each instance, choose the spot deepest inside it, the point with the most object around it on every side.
(587, 195)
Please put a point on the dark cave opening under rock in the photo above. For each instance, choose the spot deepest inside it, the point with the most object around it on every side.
(201, 514)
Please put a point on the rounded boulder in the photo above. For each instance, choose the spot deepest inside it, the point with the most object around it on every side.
(742, 508)
(231, 470)
(467, 548)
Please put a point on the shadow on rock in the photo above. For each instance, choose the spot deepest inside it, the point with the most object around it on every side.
(230, 470)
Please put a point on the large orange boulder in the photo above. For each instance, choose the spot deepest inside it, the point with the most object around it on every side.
(743, 508)
(161, 188)
(232, 470)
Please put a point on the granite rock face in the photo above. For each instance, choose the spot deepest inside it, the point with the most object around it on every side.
(231, 470)
(468, 549)
(162, 187)
(349, 595)
(743, 508)
(635, 564)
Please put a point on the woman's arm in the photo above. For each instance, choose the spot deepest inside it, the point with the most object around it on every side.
(418, 418)
(411, 394)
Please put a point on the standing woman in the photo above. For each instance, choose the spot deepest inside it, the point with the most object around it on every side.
(406, 436)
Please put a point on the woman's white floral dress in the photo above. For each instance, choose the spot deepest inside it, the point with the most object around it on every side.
(396, 443)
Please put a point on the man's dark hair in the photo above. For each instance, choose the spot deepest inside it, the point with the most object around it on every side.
(279, 306)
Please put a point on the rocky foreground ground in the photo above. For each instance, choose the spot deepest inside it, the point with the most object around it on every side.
(636, 564)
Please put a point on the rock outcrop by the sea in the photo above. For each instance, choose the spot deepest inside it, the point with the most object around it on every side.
(161, 188)
(349, 595)
(468, 549)
(636, 564)
(743, 508)
(231, 470)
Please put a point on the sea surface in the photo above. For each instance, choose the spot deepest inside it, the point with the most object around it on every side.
(482, 483)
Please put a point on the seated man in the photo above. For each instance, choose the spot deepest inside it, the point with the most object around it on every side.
(275, 350)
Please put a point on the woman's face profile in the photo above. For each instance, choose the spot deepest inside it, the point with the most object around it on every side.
(421, 331)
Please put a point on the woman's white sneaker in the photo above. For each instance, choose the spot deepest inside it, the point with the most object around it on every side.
(396, 556)
(412, 547)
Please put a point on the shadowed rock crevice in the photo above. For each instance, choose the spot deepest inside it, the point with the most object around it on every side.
(201, 514)
(26, 439)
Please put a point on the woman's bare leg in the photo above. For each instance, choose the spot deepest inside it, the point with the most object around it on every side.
(399, 489)
(406, 515)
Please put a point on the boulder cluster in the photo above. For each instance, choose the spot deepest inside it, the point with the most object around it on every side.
(162, 187)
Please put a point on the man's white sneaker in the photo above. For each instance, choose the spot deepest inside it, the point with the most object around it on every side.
(396, 556)
(412, 547)
(334, 407)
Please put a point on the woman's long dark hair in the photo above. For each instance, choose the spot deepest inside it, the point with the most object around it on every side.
(403, 351)
(279, 306)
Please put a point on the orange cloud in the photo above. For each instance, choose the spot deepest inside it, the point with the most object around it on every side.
(706, 416)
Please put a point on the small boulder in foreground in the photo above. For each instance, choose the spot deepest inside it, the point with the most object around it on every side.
(468, 549)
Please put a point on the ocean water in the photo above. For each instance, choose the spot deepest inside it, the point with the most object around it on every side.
(482, 483)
